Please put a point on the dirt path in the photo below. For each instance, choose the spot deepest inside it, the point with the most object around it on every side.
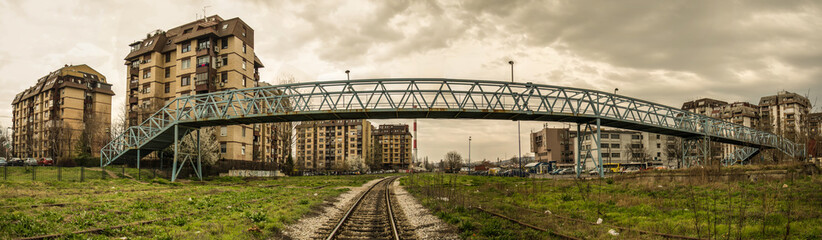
(426, 225)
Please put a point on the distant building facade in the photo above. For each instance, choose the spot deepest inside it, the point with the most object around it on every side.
(392, 145)
(624, 146)
(552, 144)
(704, 106)
(785, 114)
(50, 117)
(328, 145)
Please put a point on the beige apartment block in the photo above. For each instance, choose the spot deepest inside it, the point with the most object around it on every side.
(50, 117)
(329, 145)
(704, 106)
(392, 146)
(624, 146)
(552, 144)
(207, 55)
(785, 114)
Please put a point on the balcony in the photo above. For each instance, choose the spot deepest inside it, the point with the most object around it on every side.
(132, 100)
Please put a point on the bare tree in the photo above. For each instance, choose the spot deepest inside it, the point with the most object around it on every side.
(5, 143)
(453, 161)
(209, 146)
(673, 149)
(286, 131)
(59, 139)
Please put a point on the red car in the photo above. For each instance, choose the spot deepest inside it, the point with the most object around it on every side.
(45, 162)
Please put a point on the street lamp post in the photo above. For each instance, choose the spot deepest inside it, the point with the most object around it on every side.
(348, 75)
(519, 139)
(615, 90)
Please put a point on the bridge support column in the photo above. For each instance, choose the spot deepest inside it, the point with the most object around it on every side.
(176, 147)
(696, 151)
(592, 132)
(199, 157)
(138, 164)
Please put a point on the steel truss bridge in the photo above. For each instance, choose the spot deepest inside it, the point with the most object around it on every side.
(437, 98)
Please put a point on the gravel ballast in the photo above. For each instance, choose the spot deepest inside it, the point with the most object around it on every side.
(305, 227)
(426, 225)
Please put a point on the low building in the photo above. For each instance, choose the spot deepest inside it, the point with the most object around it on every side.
(552, 144)
(618, 146)
(50, 117)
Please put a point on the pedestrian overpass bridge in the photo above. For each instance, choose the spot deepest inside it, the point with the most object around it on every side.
(436, 98)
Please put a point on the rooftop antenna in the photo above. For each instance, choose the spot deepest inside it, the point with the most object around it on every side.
(204, 12)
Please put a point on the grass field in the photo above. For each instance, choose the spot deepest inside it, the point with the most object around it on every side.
(223, 208)
(700, 204)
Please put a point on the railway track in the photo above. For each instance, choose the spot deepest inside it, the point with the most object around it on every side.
(373, 215)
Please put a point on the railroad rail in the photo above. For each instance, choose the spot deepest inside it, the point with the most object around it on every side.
(371, 216)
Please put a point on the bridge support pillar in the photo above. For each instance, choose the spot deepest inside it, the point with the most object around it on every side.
(176, 148)
(199, 157)
(696, 151)
(592, 132)
(138, 164)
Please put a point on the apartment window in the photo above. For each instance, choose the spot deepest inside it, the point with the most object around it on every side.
(244, 51)
(244, 84)
(224, 76)
(186, 47)
(605, 155)
(203, 44)
(657, 136)
(614, 136)
(615, 155)
(185, 80)
(658, 154)
(185, 63)
(225, 43)
(147, 73)
(225, 60)
(187, 30)
(243, 64)
(167, 87)
(243, 150)
(167, 56)
(168, 72)
(604, 145)
(225, 26)
(636, 137)
(636, 145)
(201, 78)
(223, 148)
(202, 61)
(604, 136)
(223, 131)
(146, 88)
(243, 131)
(614, 145)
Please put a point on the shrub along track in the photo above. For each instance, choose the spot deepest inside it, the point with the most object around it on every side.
(373, 215)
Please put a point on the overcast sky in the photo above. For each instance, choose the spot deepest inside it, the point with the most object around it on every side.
(663, 51)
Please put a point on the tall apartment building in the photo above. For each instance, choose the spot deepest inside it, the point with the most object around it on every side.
(742, 113)
(392, 145)
(206, 55)
(327, 145)
(624, 146)
(552, 144)
(704, 106)
(785, 114)
(50, 117)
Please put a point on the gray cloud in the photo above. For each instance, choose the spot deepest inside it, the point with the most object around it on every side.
(662, 51)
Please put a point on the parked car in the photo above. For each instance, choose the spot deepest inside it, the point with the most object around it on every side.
(16, 162)
(2, 161)
(46, 162)
(631, 170)
(31, 162)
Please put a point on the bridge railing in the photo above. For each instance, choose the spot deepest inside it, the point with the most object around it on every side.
(434, 95)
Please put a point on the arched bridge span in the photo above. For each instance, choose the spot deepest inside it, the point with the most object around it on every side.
(431, 98)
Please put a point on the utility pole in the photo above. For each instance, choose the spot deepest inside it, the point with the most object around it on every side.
(469, 154)
(519, 139)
